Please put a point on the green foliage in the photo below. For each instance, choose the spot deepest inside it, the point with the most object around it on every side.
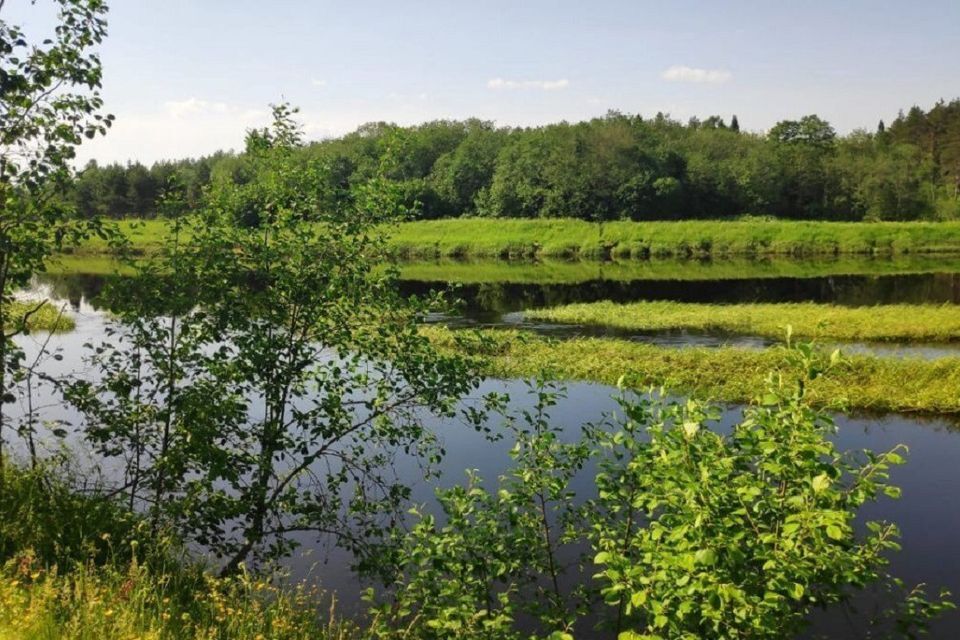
(49, 102)
(616, 167)
(695, 533)
(266, 373)
(493, 559)
(80, 565)
(40, 511)
(896, 322)
(739, 536)
(28, 315)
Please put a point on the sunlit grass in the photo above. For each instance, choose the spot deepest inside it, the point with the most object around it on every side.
(109, 602)
(47, 317)
(931, 323)
(80, 566)
(566, 238)
(480, 237)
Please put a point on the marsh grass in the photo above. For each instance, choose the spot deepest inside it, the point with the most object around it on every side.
(49, 317)
(901, 322)
(566, 238)
(725, 374)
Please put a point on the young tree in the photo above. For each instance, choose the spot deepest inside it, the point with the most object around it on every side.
(697, 533)
(49, 102)
(286, 374)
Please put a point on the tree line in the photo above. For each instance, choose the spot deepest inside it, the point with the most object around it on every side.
(617, 167)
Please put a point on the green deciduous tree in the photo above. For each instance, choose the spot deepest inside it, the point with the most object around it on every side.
(49, 102)
(279, 373)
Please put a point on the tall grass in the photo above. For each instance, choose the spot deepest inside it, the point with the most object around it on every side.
(480, 237)
(725, 374)
(79, 566)
(124, 602)
(933, 323)
(568, 238)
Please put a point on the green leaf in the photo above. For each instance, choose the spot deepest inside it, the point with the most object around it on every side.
(821, 483)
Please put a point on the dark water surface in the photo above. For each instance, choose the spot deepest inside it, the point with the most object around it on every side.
(928, 513)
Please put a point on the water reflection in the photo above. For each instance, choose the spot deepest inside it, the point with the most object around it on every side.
(928, 514)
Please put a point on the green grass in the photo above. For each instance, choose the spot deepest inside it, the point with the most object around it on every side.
(47, 318)
(900, 322)
(480, 237)
(566, 238)
(95, 264)
(145, 236)
(551, 271)
(113, 602)
(724, 374)
(79, 566)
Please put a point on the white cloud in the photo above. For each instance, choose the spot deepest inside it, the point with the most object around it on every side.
(318, 83)
(681, 73)
(194, 107)
(175, 129)
(543, 85)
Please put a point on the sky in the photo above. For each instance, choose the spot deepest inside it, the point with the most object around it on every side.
(188, 77)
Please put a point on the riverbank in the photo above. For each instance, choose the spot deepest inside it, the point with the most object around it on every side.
(883, 323)
(725, 374)
(76, 565)
(568, 238)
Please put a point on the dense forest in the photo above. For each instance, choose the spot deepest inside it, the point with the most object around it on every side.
(616, 167)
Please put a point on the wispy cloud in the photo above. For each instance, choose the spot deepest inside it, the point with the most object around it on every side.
(681, 73)
(542, 85)
(193, 106)
(197, 107)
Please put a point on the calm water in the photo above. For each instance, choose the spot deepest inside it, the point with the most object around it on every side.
(928, 513)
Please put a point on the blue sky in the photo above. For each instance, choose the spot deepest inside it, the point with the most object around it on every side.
(186, 77)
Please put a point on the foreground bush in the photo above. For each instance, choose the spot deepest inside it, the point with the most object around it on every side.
(693, 531)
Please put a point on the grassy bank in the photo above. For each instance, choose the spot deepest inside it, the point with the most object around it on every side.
(723, 374)
(47, 318)
(107, 602)
(930, 323)
(79, 566)
(567, 238)
(480, 237)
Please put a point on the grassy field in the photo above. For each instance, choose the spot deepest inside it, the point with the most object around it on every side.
(929, 323)
(564, 238)
(144, 236)
(723, 374)
(575, 238)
